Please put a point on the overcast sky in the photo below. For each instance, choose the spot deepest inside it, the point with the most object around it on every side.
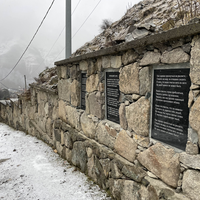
(20, 19)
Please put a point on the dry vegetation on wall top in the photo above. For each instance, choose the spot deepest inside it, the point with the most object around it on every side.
(143, 19)
(26, 95)
(48, 78)
(188, 9)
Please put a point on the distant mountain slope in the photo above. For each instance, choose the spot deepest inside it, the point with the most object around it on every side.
(31, 64)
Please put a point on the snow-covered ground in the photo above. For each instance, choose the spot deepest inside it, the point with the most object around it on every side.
(29, 169)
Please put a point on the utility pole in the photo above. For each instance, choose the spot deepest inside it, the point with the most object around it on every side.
(68, 42)
(25, 82)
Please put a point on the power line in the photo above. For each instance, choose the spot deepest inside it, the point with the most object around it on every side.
(86, 19)
(29, 42)
(55, 42)
(62, 30)
(4, 85)
(76, 7)
(8, 87)
(80, 26)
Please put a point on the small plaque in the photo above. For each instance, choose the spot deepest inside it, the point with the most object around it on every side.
(112, 96)
(83, 90)
(170, 106)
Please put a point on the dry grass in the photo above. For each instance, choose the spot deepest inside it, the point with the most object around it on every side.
(188, 9)
(129, 6)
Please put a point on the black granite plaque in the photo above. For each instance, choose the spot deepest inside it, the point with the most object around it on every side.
(112, 96)
(170, 106)
(83, 90)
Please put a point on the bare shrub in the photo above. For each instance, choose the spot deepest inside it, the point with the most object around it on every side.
(105, 24)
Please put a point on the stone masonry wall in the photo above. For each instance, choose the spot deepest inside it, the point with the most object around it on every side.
(121, 158)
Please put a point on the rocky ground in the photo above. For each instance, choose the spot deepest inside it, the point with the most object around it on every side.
(29, 169)
(145, 18)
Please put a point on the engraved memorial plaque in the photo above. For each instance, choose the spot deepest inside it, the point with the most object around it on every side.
(170, 106)
(112, 96)
(83, 90)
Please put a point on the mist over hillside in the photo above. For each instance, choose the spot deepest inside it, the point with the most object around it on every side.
(31, 65)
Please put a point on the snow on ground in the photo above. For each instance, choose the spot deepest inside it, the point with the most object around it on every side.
(29, 169)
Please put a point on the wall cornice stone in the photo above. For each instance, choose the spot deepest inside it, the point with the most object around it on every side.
(41, 88)
(180, 32)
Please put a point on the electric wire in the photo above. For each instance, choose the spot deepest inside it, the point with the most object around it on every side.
(8, 87)
(29, 42)
(55, 42)
(4, 85)
(80, 27)
(76, 7)
(61, 31)
(86, 19)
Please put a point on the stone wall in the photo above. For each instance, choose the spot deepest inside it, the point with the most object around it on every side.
(121, 158)
(34, 116)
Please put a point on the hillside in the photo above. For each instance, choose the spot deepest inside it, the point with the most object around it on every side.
(145, 18)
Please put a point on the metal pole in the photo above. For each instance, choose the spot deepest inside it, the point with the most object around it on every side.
(68, 30)
(25, 82)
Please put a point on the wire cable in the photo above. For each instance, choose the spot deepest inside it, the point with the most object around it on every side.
(86, 19)
(29, 42)
(76, 7)
(80, 27)
(62, 30)
(55, 42)
(8, 87)
(4, 85)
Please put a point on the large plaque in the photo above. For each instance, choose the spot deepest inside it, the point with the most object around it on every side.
(170, 106)
(112, 96)
(83, 90)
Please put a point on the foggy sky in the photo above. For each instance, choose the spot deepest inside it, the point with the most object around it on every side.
(19, 20)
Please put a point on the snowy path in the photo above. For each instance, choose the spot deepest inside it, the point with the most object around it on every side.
(34, 171)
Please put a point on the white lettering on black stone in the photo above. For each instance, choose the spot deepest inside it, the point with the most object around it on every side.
(112, 96)
(170, 111)
(83, 90)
